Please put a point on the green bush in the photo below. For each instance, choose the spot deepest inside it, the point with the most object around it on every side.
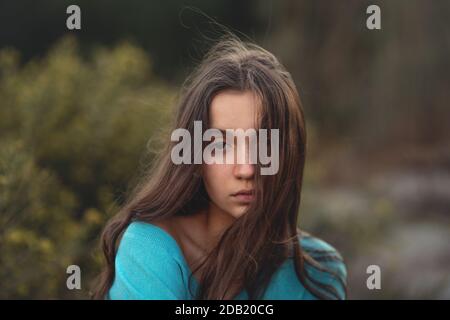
(74, 131)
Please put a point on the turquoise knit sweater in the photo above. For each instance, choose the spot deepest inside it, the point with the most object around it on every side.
(150, 265)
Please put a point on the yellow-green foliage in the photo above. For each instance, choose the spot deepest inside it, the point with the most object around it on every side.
(74, 130)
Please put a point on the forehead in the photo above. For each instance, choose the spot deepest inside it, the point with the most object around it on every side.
(232, 109)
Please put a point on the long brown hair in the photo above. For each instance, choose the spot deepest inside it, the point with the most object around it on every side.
(258, 242)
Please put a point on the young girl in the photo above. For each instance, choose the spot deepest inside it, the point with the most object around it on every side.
(224, 231)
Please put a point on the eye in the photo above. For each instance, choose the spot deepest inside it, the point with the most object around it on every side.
(221, 145)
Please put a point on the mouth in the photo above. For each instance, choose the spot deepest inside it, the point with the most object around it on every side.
(244, 196)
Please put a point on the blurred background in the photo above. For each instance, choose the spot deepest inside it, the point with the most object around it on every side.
(81, 112)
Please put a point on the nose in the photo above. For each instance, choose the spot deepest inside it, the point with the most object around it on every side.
(244, 171)
(243, 168)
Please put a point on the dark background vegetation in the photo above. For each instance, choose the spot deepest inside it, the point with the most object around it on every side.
(81, 114)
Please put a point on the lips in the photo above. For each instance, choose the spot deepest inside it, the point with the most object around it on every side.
(244, 196)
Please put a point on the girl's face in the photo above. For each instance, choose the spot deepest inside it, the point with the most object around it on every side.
(230, 186)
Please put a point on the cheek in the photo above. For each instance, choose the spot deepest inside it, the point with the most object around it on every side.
(216, 177)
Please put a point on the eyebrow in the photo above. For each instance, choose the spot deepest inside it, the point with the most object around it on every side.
(221, 130)
(224, 132)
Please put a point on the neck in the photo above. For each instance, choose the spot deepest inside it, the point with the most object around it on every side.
(215, 221)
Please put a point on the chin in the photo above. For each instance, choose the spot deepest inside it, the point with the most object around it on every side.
(238, 212)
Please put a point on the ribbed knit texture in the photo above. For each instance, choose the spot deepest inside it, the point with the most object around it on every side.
(150, 265)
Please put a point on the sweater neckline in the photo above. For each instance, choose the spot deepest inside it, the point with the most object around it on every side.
(181, 256)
